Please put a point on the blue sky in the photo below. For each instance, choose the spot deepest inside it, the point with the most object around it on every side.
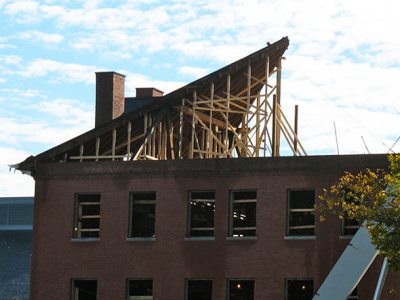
(342, 65)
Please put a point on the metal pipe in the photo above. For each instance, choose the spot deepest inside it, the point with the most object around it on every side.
(381, 280)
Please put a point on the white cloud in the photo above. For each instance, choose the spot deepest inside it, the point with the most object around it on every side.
(67, 112)
(23, 11)
(193, 71)
(41, 37)
(10, 59)
(63, 71)
(14, 183)
(134, 80)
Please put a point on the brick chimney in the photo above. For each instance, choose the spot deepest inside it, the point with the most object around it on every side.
(148, 92)
(110, 96)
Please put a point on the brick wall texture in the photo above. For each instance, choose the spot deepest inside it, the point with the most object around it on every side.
(171, 258)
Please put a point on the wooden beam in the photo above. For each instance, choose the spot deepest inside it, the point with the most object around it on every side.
(128, 143)
(81, 151)
(296, 113)
(97, 147)
(114, 139)
(180, 129)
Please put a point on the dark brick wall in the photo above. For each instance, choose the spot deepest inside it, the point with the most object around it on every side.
(171, 258)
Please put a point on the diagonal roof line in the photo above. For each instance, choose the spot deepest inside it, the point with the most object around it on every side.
(173, 98)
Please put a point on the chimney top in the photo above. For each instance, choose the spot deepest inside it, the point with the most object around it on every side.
(144, 92)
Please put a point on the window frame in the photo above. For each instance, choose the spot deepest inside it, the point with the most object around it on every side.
(228, 290)
(348, 227)
(130, 235)
(73, 280)
(232, 202)
(189, 215)
(139, 279)
(306, 210)
(76, 230)
(196, 279)
(297, 279)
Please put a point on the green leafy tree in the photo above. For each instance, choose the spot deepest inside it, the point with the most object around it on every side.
(372, 197)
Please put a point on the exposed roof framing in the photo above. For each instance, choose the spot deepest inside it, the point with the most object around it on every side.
(232, 112)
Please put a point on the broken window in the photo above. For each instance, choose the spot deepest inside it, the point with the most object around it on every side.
(142, 215)
(84, 289)
(353, 295)
(201, 213)
(301, 213)
(87, 216)
(299, 289)
(198, 289)
(243, 213)
(241, 289)
(140, 289)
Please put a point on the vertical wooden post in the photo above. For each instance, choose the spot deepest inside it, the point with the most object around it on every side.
(171, 141)
(97, 148)
(210, 139)
(228, 99)
(295, 138)
(278, 102)
(114, 139)
(152, 141)
(180, 130)
(193, 124)
(145, 123)
(160, 130)
(266, 105)
(128, 143)
(245, 123)
(274, 127)
(81, 152)
(164, 142)
(258, 137)
(149, 145)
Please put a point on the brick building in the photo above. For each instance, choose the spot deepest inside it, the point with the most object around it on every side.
(174, 197)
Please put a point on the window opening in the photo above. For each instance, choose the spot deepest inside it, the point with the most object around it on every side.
(84, 289)
(241, 289)
(198, 289)
(140, 289)
(243, 213)
(349, 226)
(299, 289)
(142, 218)
(201, 212)
(301, 213)
(87, 216)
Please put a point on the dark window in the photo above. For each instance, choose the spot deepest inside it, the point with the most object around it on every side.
(299, 289)
(87, 216)
(84, 289)
(301, 212)
(241, 289)
(140, 289)
(349, 226)
(142, 218)
(353, 295)
(198, 289)
(243, 213)
(201, 212)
